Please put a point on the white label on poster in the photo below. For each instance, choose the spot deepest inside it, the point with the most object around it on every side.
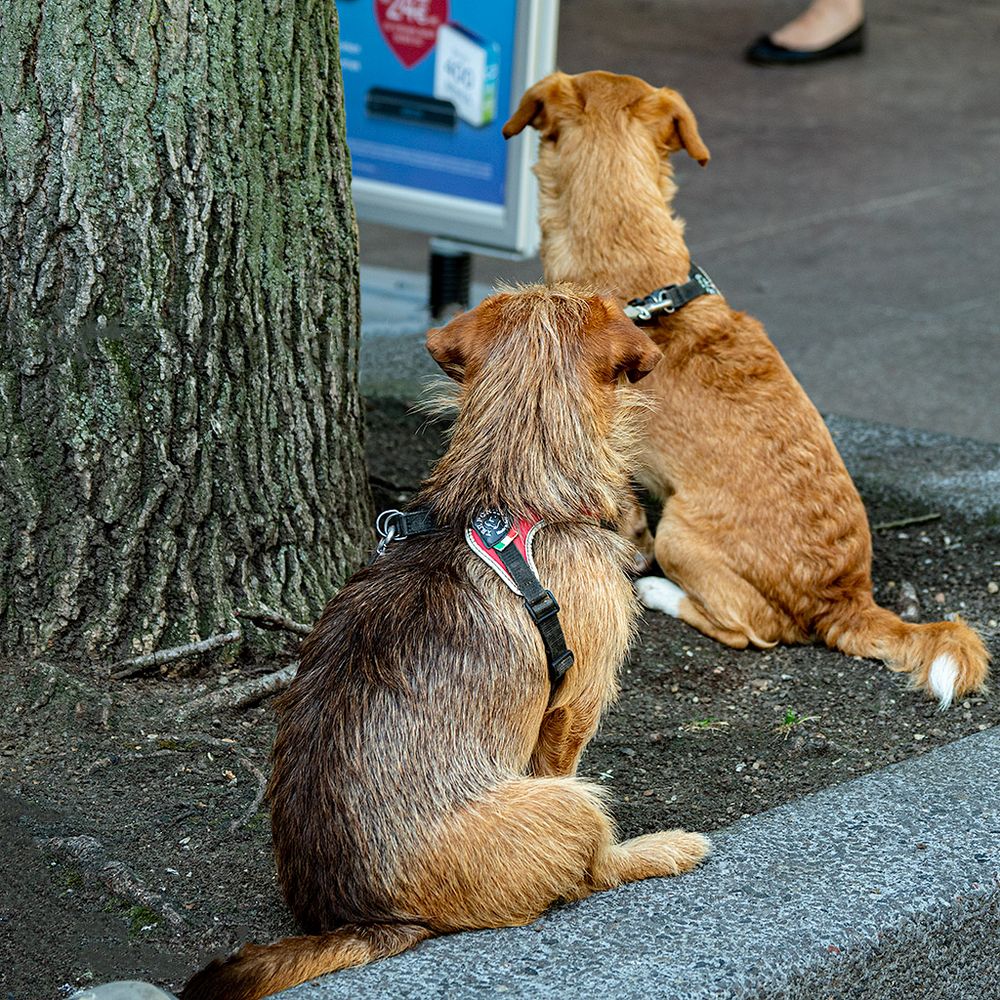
(466, 70)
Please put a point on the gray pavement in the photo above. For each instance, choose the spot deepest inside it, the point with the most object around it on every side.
(853, 207)
(885, 887)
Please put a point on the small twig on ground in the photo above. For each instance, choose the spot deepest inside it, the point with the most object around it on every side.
(140, 664)
(905, 522)
(237, 696)
(251, 810)
(909, 603)
(195, 743)
(709, 725)
(273, 620)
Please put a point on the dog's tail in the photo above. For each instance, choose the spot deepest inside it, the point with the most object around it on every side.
(946, 659)
(257, 971)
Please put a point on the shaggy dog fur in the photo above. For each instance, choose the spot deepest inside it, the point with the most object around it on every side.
(423, 782)
(762, 533)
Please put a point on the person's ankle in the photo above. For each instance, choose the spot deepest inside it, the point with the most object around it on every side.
(820, 25)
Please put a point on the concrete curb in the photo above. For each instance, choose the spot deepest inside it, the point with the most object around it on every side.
(886, 886)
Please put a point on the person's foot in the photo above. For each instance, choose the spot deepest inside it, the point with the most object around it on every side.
(826, 28)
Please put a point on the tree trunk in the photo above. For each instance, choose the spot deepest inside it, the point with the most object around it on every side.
(179, 417)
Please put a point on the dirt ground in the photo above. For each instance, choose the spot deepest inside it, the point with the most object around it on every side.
(134, 848)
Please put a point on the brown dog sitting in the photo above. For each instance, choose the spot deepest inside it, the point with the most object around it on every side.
(423, 767)
(762, 533)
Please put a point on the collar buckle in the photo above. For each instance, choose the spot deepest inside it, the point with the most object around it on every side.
(668, 299)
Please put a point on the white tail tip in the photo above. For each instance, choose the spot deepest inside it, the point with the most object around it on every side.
(944, 673)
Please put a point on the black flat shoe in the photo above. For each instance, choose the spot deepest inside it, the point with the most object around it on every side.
(764, 52)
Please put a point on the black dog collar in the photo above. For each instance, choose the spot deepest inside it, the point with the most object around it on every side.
(504, 544)
(670, 298)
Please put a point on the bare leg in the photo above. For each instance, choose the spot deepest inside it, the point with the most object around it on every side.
(565, 733)
(821, 24)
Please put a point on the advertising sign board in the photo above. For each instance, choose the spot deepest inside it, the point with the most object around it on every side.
(428, 85)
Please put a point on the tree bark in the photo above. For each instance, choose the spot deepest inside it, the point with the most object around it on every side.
(179, 417)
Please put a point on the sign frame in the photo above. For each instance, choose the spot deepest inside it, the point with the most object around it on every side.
(509, 230)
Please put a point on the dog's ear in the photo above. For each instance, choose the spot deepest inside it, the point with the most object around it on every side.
(631, 352)
(668, 113)
(451, 346)
(543, 104)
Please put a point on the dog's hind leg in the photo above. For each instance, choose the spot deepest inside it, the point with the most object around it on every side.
(710, 596)
(659, 594)
(565, 732)
(528, 843)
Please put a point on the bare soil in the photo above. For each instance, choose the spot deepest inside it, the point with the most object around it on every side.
(178, 866)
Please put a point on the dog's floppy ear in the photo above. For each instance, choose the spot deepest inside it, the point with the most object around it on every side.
(542, 104)
(451, 346)
(677, 128)
(632, 353)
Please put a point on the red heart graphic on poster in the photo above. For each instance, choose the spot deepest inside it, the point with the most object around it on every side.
(410, 26)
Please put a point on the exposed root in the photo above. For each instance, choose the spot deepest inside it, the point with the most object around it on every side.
(89, 853)
(251, 810)
(238, 696)
(50, 685)
(140, 664)
(273, 620)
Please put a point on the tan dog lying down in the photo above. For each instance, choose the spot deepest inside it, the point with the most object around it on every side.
(763, 533)
(423, 780)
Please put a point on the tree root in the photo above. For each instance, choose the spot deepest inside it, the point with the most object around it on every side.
(237, 696)
(251, 810)
(273, 621)
(50, 685)
(89, 853)
(140, 664)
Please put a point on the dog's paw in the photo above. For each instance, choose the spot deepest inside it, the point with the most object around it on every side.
(659, 594)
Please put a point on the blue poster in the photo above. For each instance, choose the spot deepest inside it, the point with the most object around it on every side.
(426, 91)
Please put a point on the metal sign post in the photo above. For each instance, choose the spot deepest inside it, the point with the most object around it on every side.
(428, 85)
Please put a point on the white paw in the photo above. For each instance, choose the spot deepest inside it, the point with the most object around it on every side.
(944, 672)
(660, 595)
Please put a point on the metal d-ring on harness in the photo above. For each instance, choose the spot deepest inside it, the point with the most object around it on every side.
(491, 535)
(670, 298)
(396, 525)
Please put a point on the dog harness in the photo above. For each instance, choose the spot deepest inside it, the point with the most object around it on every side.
(670, 298)
(503, 543)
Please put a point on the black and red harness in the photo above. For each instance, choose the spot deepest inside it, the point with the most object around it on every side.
(503, 543)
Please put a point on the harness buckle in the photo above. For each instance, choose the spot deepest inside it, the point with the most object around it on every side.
(543, 607)
(562, 663)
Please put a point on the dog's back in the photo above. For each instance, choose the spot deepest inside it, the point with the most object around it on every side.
(413, 697)
(762, 526)
(423, 769)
